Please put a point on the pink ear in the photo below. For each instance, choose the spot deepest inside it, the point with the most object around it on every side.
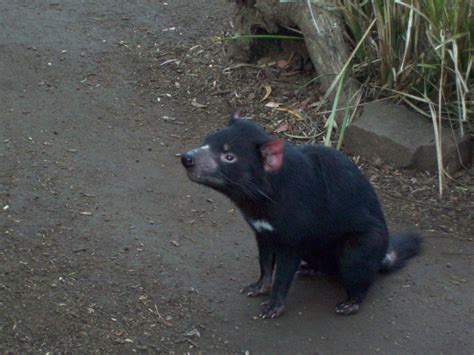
(272, 154)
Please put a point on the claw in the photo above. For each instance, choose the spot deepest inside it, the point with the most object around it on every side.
(271, 310)
(348, 307)
(256, 289)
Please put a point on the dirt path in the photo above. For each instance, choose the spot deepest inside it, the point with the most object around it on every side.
(105, 244)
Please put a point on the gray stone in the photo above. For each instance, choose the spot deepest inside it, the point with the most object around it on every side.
(403, 138)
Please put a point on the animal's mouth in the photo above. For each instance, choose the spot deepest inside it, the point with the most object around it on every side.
(194, 176)
(204, 179)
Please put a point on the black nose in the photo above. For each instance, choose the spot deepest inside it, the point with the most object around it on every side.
(187, 160)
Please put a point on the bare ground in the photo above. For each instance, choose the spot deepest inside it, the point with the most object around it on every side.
(105, 245)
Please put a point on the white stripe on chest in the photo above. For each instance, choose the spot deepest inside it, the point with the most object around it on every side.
(260, 225)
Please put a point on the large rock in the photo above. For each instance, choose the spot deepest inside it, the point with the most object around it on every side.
(401, 137)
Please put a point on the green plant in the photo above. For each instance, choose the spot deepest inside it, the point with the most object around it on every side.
(418, 52)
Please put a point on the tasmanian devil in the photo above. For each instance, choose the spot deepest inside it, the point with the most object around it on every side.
(306, 204)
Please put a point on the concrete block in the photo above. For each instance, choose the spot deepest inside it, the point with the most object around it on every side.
(400, 137)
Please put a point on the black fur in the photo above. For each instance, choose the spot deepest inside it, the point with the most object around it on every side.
(315, 207)
(405, 246)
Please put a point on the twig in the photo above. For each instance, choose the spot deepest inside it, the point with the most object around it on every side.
(172, 120)
(165, 322)
(240, 65)
(170, 61)
(424, 204)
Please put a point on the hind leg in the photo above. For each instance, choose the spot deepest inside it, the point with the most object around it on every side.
(358, 266)
(356, 292)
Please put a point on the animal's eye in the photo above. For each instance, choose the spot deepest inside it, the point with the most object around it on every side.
(228, 158)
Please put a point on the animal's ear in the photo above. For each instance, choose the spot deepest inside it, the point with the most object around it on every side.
(272, 154)
(234, 116)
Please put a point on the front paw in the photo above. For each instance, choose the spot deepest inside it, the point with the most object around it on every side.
(348, 307)
(256, 289)
(271, 309)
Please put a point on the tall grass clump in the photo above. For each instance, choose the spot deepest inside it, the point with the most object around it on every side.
(418, 52)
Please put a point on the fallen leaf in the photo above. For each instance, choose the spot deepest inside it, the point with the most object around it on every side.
(291, 112)
(282, 64)
(272, 104)
(282, 128)
(268, 91)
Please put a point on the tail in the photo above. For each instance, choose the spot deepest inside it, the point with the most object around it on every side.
(401, 248)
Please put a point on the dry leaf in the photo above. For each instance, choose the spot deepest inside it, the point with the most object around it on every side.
(291, 112)
(282, 128)
(272, 104)
(282, 64)
(268, 91)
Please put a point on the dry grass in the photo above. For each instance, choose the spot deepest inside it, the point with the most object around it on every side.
(418, 53)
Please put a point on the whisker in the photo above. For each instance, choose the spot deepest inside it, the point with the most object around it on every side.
(251, 181)
(251, 190)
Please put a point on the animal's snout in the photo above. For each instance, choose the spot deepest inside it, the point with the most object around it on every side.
(188, 161)
(200, 165)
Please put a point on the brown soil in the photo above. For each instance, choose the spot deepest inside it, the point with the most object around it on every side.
(106, 246)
